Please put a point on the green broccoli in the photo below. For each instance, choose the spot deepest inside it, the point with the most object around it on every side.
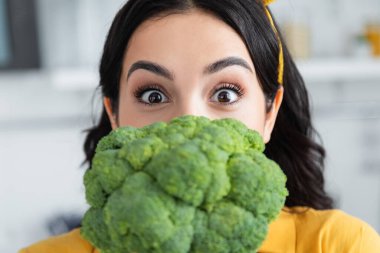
(191, 185)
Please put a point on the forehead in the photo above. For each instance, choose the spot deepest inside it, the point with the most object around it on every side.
(196, 37)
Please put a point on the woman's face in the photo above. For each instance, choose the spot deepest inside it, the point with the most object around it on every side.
(193, 64)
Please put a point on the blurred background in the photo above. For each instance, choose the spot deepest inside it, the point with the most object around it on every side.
(49, 53)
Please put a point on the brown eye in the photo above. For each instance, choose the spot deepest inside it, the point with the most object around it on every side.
(225, 96)
(153, 97)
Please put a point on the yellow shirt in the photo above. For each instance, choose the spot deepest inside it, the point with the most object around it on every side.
(296, 230)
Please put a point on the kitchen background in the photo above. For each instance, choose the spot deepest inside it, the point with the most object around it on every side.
(49, 52)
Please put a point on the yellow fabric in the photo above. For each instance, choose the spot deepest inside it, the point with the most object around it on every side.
(296, 230)
(280, 78)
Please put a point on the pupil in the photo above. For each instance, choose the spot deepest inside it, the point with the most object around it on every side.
(224, 97)
(155, 97)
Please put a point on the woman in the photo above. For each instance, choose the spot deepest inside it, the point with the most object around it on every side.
(222, 58)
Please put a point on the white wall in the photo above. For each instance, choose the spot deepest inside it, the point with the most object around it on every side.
(72, 32)
(40, 179)
(347, 115)
(332, 23)
(40, 156)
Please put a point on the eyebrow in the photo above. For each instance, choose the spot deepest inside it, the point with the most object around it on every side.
(217, 66)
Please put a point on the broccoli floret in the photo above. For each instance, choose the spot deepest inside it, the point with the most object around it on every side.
(191, 185)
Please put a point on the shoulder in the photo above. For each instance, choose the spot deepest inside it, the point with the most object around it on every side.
(69, 242)
(335, 231)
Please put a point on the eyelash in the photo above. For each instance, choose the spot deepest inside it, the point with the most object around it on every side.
(230, 86)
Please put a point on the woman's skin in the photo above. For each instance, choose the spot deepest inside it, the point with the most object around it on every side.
(200, 64)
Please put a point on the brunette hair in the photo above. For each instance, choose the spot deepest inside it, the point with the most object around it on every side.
(293, 143)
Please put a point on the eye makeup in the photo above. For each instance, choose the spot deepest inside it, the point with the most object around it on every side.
(139, 92)
(230, 86)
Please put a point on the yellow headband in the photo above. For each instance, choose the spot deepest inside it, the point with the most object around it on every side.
(280, 77)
